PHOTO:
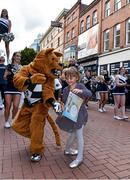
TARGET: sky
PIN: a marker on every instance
(31, 17)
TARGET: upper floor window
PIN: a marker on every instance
(88, 22)
(73, 16)
(67, 36)
(58, 41)
(73, 33)
(82, 26)
(94, 20)
(117, 36)
(51, 45)
(128, 1)
(117, 4)
(128, 31)
(106, 40)
(107, 8)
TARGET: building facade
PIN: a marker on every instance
(89, 37)
(54, 36)
(115, 36)
(71, 32)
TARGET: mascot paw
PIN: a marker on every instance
(57, 107)
(38, 78)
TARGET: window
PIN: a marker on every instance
(73, 16)
(82, 26)
(128, 1)
(94, 21)
(107, 8)
(88, 22)
(117, 4)
(58, 41)
(73, 33)
(117, 36)
(51, 45)
(128, 31)
(106, 40)
(67, 36)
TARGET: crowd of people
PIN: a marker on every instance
(72, 79)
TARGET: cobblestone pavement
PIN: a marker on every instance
(106, 152)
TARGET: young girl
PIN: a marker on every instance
(75, 128)
(12, 95)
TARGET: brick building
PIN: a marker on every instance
(115, 35)
(71, 32)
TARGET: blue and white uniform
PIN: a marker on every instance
(4, 25)
(117, 90)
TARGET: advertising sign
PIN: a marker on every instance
(88, 42)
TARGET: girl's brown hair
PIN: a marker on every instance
(6, 14)
(72, 71)
(13, 57)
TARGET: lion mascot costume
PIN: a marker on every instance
(37, 81)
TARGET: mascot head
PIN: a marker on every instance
(47, 62)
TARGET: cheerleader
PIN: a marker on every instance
(102, 88)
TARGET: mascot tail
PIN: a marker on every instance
(55, 130)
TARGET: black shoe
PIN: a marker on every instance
(36, 157)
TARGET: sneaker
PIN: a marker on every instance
(1, 106)
(75, 163)
(104, 110)
(100, 110)
(7, 125)
(117, 118)
(125, 117)
(71, 152)
(36, 157)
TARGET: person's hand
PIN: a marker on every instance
(77, 91)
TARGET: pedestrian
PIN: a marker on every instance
(5, 27)
(102, 88)
(119, 94)
(2, 81)
(74, 128)
(12, 95)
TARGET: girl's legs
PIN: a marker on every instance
(105, 99)
(122, 104)
(16, 102)
(7, 50)
(70, 142)
(8, 101)
(101, 101)
(117, 104)
(80, 139)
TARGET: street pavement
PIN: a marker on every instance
(106, 151)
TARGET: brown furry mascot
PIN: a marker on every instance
(37, 82)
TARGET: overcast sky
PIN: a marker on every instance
(31, 17)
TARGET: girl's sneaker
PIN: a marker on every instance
(125, 117)
(100, 110)
(71, 152)
(117, 118)
(75, 163)
(104, 110)
(7, 125)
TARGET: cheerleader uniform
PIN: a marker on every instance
(4, 25)
(10, 88)
(120, 90)
(102, 87)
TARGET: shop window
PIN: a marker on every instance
(128, 31)
(88, 22)
(106, 40)
(117, 36)
(107, 8)
(94, 18)
(117, 5)
(82, 26)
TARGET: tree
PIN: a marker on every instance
(28, 54)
